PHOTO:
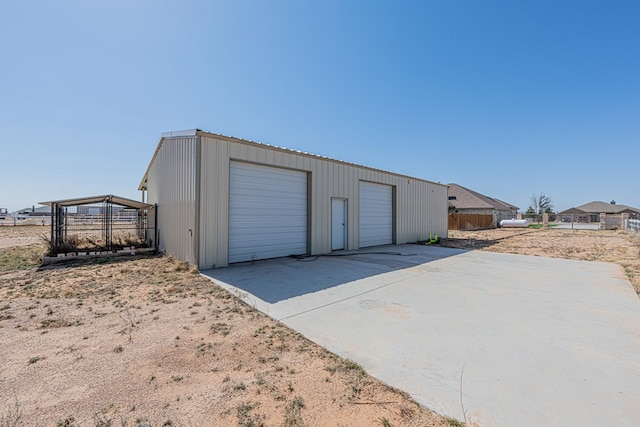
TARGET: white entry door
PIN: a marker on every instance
(338, 224)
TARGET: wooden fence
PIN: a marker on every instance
(463, 221)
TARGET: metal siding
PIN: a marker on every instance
(259, 156)
(171, 184)
(221, 239)
(206, 188)
(322, 209)
(208, 197)
(421, 206)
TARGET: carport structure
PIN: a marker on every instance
(99, 224)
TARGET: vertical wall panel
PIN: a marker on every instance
(171, 184)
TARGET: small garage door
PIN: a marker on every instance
(376, 214)
(267, 212)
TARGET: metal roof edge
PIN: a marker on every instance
(123, 201)
(171, 134)
(317, 156)
(76, 199)
(199, 132)
(185, 132)
(143, 181)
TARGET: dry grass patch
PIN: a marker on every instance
(147, 341)
(619, 247)
(21, 257)
(9, 231)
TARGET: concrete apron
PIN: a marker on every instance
(514, 340)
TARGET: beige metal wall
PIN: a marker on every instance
(172, 184)
(420, 206)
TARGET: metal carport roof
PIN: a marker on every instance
(122, 201)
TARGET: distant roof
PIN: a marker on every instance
(572, 211)
(469, 199)
(39, 209)
(99, 199)
(604, 207)
(507, 205)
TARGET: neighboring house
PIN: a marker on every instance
(222, 200)
(590, 212)
(464, 200)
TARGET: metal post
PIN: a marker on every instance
(155, 227)
(108, 219)
(62, 234)
(59, 230)
(140, 228)
(52, 241)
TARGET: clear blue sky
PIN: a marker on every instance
(505, 97)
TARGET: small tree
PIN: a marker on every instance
(541, 203)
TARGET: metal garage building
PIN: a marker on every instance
(223, 200)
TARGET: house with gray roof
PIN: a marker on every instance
(592, 210)
(465, 200)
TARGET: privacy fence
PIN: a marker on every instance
(467, 221)
(464, 221)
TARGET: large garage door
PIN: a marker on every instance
(376, 214)
(267, 212)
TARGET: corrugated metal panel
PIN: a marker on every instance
(171, 183)
(289, 151)
(214, 211)
(267, 212)
(420, 206)
(375, 214)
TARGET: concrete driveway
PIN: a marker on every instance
(534, 341)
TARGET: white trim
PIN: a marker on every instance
(174, 133)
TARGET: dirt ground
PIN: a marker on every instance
(146, 341)
(22, 236)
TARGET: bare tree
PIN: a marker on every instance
(541, 203)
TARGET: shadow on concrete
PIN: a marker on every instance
(279, 279)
